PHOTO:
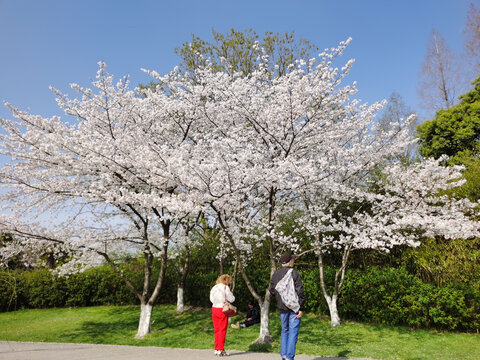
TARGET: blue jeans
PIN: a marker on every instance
(289, 337)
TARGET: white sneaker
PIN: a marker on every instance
(217, 352)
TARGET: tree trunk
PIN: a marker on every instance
(145, 320)
(50, 261)
(182, 277)
(337, 286)
(180, 299)
(265, 336)
(147, 306)
(234, 276)
(332, 307)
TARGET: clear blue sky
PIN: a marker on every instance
(57, 42)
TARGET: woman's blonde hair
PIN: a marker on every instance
(224, 279)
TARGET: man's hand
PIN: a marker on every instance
(249, 319)
(300, 314)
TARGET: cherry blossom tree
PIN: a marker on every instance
(405, 204)
(279, 144)
(264, 139)
(105, 171)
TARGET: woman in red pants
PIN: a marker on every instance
(218, 295)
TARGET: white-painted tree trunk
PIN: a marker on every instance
(332, 306)
(145, 320)
(180, 299)
(264, 337)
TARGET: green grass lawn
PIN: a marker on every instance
(193, 329)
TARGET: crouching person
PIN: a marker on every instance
(252, 318)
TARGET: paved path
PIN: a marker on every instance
(12, 350)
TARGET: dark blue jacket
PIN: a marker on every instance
(277, 276)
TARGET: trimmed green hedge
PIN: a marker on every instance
(388, 296)
(395, 297)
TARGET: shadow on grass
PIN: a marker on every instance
(123, 322)
(322, 334)
(344, 353)
(195, 320)
(317, 335)
(113, 323)
(119, 325)
(260, 347)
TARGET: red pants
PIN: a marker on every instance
(220, 324)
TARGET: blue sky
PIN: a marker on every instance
(58, 42)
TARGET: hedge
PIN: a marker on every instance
(395, 297)
(389, 296)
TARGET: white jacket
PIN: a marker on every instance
(219, 294)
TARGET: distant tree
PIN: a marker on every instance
(472, 38)
(397, 112)
(440, 75)
(241, 51)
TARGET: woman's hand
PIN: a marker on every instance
(299, 314)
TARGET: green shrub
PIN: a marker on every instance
(9, 288)
(314, 299)
(395, 297)
(40, 289)
(98, 286)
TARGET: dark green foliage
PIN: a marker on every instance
(99, 286)
(198, 286)
(40, 289)
(314, 301)
(471, 189)
(386, 288)
(445, 262)
(454, 131)
(9, 290)
(395, 297)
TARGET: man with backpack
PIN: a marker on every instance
(287, 287)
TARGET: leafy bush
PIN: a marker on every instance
(314, 299)
(395, 297)
(9, 288)
(40, 289)
(98, 286)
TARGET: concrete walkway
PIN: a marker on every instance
(12, 350)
